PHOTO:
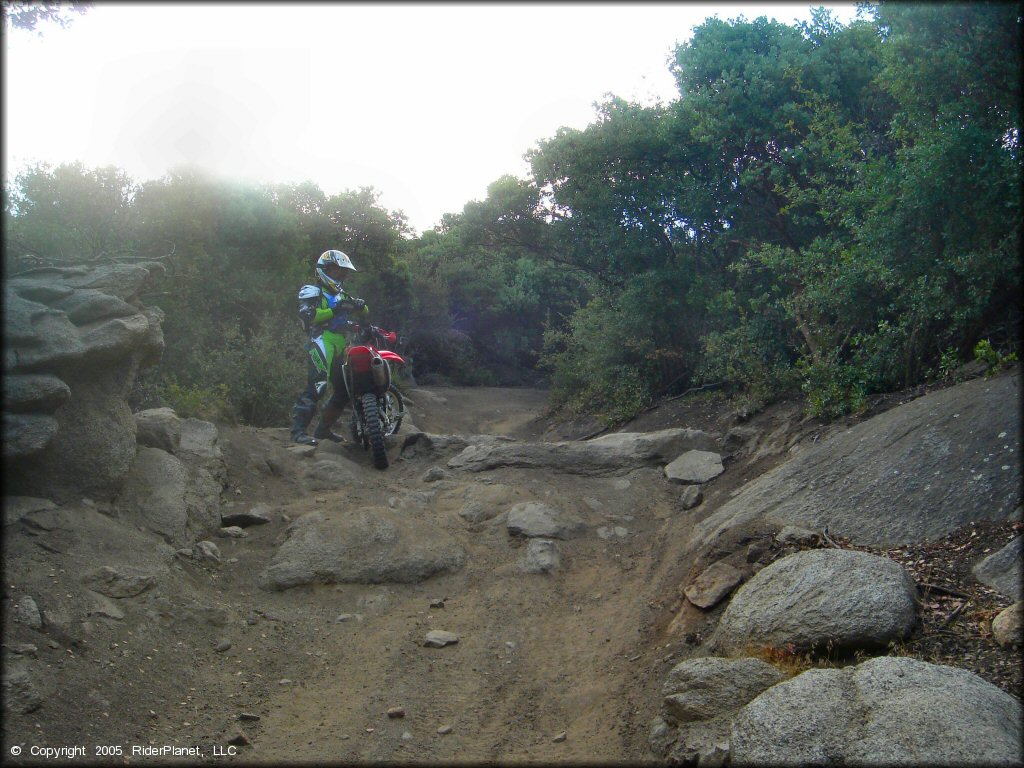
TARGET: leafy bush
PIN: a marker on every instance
(986, 353)
(266, 368)
(833, 388)
(750, 366)
(207, 403)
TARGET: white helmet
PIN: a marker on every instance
(331, 261)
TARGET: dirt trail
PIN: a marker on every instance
(561, 667)
(538, 655)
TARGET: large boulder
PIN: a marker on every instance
(75, 339)
(700, 698)
(93, 445)
(915, 472)
(174, 485)
(886, 711)
(532, 519)
(617, 453)
(158, 428)
(820, 599)
(363, 546)
(702, 688)
(694, 467)
(153, 496)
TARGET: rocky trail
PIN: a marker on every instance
(546, 667)
(487, 606)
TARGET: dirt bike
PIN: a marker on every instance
(377, 405)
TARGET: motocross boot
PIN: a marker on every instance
(302, 414)
(327, 419)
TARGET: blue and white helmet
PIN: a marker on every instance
(330, 269)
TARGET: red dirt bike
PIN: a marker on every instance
(377, 405)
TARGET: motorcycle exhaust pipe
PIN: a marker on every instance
(379, 371)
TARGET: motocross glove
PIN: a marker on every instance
(348, 305)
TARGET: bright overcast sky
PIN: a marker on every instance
(427, 103)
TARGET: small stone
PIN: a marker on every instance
(560, 737)
(251, 619)
(434, 474)
(541, 557)
(206, 550)
(717, 581)
(794, 534)
(258, 515)
(437, 603)
(27, 612)
(394, 712)
(691, 497)
(222, 646)
(344, 617)
(444, 729)
(438, 638)
(25, 649)
(284, 681)
(247, 716)
(232, 532)
(757, 550)
(694, 467)
(406, 736)
(1006, 627)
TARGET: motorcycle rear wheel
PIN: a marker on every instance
(374, 433)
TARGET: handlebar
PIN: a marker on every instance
(374, 333)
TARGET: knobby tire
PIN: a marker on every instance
(374, 433)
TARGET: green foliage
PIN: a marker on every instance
(749, 361)
(68, 214)
(949, 361)
(832, 387)
(207, 403)
(991, 357)
(830, 207)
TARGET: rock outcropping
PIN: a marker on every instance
(74, 340)
(913, 473)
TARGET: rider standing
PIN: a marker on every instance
(325, 309)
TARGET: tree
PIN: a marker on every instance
(68, 214)
(491, 264)
(29, 15)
